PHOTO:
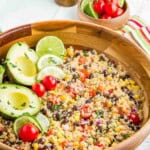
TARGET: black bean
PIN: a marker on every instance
(91, 76)
(41, 141)
(105, 73)
(75, 108)
(44, 111)
(47, 147)
(77, 54)
(73, 69)
(126, 76)
(85, 66)
(98, 93)
(49, 105)
(88, 101)
(114, 98)
(101, 58)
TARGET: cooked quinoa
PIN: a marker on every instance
(90, 108)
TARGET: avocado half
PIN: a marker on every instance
(16, 100)
(21, 64)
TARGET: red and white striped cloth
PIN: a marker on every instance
(138, 31)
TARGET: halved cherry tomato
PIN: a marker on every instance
(119, 12)
(92, 92)
(110, 8)
(39, 89)
(28, 133)
(134, 117)
(99, 6)
(49, 82)
(82, 60)
(86, 112)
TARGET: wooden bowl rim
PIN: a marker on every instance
(146, 127)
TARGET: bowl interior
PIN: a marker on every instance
(103, 40)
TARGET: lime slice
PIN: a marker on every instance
(48, 60)
(50, 45)
(43, 121)
(21, 121)
(90, 11)
(121, 3)
(53, 71)
(84, 3)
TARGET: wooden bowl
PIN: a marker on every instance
(114, 23)
(95, 37)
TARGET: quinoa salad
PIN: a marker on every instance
(90, 103)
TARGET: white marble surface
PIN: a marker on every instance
(17, 12)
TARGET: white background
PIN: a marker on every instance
(18, 12)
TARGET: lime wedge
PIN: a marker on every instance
(121, 3)
(48, 60)
(21, 121)
(84, 3)
(50, 45)
(90, 11)
(43, 121)
(53, 71)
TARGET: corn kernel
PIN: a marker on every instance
(136, 96)
(75, 144)
(109, 104)
(129, 87)
(59, 135)
(70, 51)
(64, 98)
(114, 143)
(109, 78)
(67, 77)
(35, 146)
(135, 87)
(132, 82)
(53, 139)
(117, 129)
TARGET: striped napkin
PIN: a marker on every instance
(137, 31)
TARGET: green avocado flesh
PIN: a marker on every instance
(21, 64)
(17, 100)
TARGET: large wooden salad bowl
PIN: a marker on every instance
(104, 40)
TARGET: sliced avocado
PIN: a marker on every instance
(16, 100)
(2, 71)
(21, 63)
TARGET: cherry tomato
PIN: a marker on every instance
(134, 117)
(99, 6)
(28, 133)
(106, 16)
(49, 82)
(86, 112)
(119, 12)
(110, 8)
(39, 89)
